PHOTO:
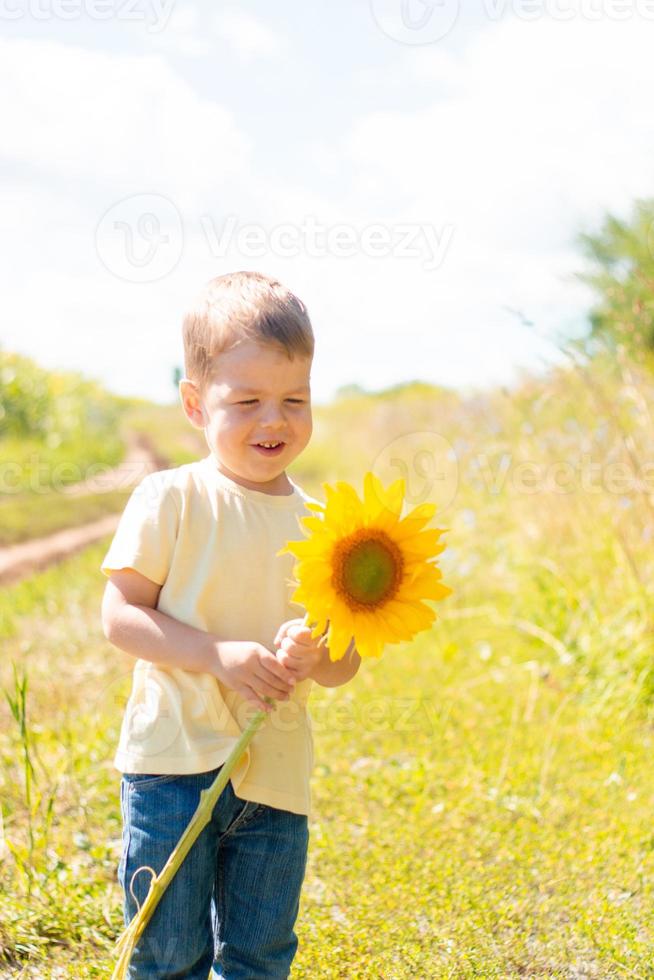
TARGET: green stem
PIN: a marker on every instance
(199, 820)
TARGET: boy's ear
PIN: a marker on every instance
(191, 402)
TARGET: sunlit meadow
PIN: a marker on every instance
(483, 795)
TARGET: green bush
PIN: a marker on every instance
(51, 406)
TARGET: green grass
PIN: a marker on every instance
(474, 813)
(482, 796)
(35, 516)
(477, 831)
(30, 465)
(59, 895)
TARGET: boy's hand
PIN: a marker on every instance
(299, 652)
(254, 671)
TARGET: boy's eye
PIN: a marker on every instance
(251, 401)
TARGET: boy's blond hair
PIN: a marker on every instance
(238, 306)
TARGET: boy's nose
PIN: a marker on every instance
(272, 418)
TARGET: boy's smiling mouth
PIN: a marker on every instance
(272, 447)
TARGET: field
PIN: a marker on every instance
(483, 795)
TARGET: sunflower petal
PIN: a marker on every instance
(421, 512)
(318, 629)
(338, 641)
(377, 499)
(395, 496)
(299, 548)
(343, 512)
(423, 544)
(370, 646)
(318, 525)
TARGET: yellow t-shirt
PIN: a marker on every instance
(211, 544)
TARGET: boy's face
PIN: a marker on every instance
(255, 394)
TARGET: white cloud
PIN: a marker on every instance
(183, 34)
(537, 115)
(529, 137)
(125, 121)
(81, 131)
(247, 35)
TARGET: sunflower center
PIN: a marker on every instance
(367, 568)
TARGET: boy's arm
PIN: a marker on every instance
(333, 673)
(131, 622)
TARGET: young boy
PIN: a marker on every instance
(198, 594)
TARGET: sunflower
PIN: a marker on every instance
(365, 570)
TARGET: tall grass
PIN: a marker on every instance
(39, 811)
(482, 796)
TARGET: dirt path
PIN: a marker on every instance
(140, 459)
(20, 560)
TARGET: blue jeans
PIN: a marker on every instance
(233, 903)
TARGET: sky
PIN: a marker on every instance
(418, 173)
